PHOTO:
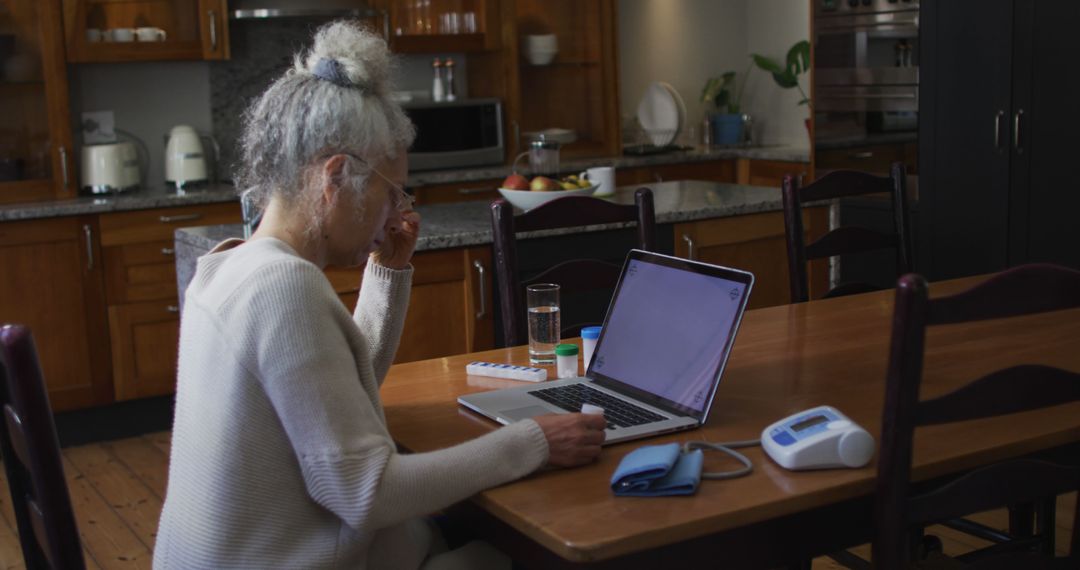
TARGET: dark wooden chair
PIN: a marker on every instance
(844, 239)
(31, 455)
(901, 508)
(575, 276)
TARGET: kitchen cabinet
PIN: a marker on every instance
(438, 26)
(768, 172)
(53, 285)
(110, 31)
(578, 90)
(35, 139)
(997, 128)
(755, 243)
(140, 291)
(450, 305)
(872, 158)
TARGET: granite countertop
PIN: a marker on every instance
(469, 223)
(163, 197)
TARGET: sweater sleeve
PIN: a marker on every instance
(316, 373)
(380, 312)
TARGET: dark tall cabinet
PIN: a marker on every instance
(998, 126)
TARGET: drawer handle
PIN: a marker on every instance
(689, 246)
(168, 251)
(480, 269)
(172, 309)
(862, 155)
(469, 191)
(179, 218)
(89, 233)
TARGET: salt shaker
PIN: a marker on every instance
(566, 360)
(437, 93)
(451, 91)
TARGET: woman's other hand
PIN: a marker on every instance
(573, 439)
(397, 247)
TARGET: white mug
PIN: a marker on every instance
(150, 34)
(120, 34)
(93, 35)
(603, 177)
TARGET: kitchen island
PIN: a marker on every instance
(452, 307)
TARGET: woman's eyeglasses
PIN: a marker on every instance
(402, 200)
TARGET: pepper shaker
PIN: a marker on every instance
(437, 93)
(451, 91)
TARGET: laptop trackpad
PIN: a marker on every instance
(525, 413)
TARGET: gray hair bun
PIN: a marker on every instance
(347, 54)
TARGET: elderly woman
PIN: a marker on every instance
(281, 455)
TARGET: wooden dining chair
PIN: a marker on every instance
(902, 508)
(844, 239)
(31, 455)
(575, 276)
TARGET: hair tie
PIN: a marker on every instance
(331, 70)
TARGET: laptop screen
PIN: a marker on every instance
(669, 330)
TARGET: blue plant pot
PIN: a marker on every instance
(727, 128)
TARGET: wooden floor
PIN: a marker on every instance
(118, 487)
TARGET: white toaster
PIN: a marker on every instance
(108, 168)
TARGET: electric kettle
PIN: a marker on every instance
(185, 160)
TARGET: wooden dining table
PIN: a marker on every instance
(785, 359)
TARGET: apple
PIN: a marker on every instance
(543, 184)
(516, 182)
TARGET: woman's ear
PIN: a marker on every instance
(333, 173)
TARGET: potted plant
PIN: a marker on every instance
(787, 75)
(727, 122)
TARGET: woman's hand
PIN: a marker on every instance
(573, 439)
(397, 247)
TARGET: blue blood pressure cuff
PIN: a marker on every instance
(658, 471)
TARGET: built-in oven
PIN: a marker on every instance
(866, 67)
(456, 134)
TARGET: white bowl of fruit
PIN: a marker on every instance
(527, 194)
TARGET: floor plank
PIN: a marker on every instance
(133, 501)
(144, 459)
(109, 541)
(161, 440)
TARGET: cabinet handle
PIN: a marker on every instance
(1016, 130)
(179, 218)
(213, 29)
(470, 191)
(89, 233)
(864, 155)
(172, 309)
(480, 270)
(168, 251)
(63, 165)
(689, 246)
(997, 129)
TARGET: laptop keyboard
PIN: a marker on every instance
(618, 412)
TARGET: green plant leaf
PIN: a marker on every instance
(798, 58)
(767, 64)
(712, 88)
(785, 79)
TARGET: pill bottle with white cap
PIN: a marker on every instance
(588, 343)
(566, 360)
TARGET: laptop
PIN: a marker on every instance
(666, 338)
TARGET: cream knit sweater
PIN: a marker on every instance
(281, 456)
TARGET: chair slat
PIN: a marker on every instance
(1022, 290)
(16, 435)
(992, 486)
(1008, 391)
(41, 535)
(849, 239)
(574, 211)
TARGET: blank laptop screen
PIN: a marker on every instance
(667, 333)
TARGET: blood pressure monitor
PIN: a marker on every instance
(818, 438)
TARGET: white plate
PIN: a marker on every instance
(658, 113)
(681, 104)
(528, 199)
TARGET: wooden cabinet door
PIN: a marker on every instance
(214, 29)
(768, 172)
(145, 340)
(439, 26)
(35, 141)
(755, 243)
(149, 30)
(53, 284)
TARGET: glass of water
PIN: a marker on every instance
(542, 300)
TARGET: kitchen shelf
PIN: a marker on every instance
(436, 43)
(557, 63)
(110, 52)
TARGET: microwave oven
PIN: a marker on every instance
(456, 134)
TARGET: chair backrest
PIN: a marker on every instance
(31, 455)
(844, 239)
(1019, 291)
(573, 275)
